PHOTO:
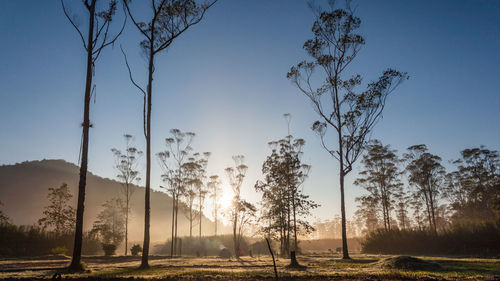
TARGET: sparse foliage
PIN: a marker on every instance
(99, 36)
(167, 21)
(59, 215)
(126, 164)
(350, 113)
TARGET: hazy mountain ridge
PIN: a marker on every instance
(24, 187)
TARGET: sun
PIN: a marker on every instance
(226, 198)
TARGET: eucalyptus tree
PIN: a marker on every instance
(284, 203)
(202, 190)
(426, 174)
(474, 187)
(241, 211)
(166, 22)
(59, 215)
(381, 178)
(215, 192)
(350, 113)
(126, 163)
(192, 184)
(172, 160)
(99, 36)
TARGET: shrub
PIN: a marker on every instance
(471, 239)
(59, 251)
(109, 249)
(29, 241)
(136, 249)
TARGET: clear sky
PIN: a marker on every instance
(225, 80)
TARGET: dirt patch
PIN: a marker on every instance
(408, 263)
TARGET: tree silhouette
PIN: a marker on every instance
(3, 218)
(172, 160)
(98, 37)
(426, 173)
(215, 193)
(110, 223)
(474, 187)
(168, 20)
(381, 178)
(241, 211)
(351, 114)
(58, 215)
(126, 164)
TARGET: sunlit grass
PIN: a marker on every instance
(317, 266)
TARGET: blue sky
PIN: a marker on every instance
(225, 80)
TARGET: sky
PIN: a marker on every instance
(225, 80)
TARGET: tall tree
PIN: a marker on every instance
(284, 202)
(351, 114)
(381, 178)
(172, 161)
(58, 215)
(215, 193)
(126, 164)
(98, 37)
(426, 173)
(202, 188)
(110, 223)
(474, 187)
(168, 20)
(240, 211)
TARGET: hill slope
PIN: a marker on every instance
(24, 187)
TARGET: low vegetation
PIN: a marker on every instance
(318, 267)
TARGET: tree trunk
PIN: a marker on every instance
(126, 220)
(147, 208)
(345, 251)
(77, 248)
(173, 220)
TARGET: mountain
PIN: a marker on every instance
(24, 188)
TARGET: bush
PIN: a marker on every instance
(471, 239)
(59, 251)
(29, 241)
(109, 249)
(136, 249)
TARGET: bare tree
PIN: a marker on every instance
(215, 193)
(126, 164)
(351, 114)
(168, 20)
(98, 37)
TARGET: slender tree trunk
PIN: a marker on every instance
(235, 240)
(77, 248)
(433, 214)
(126, 220)
(345, 251)
(173, 223)
(215, 218)
(190, 221)
(294, 225)
(147, 207)
(200, 218)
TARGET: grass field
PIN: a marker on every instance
(318, 267)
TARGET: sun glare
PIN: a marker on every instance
(226, 198)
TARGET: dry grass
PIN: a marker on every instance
(318, 267)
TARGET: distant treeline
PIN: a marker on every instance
(481, 239)
(16, 241)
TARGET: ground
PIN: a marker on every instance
(318, 267)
